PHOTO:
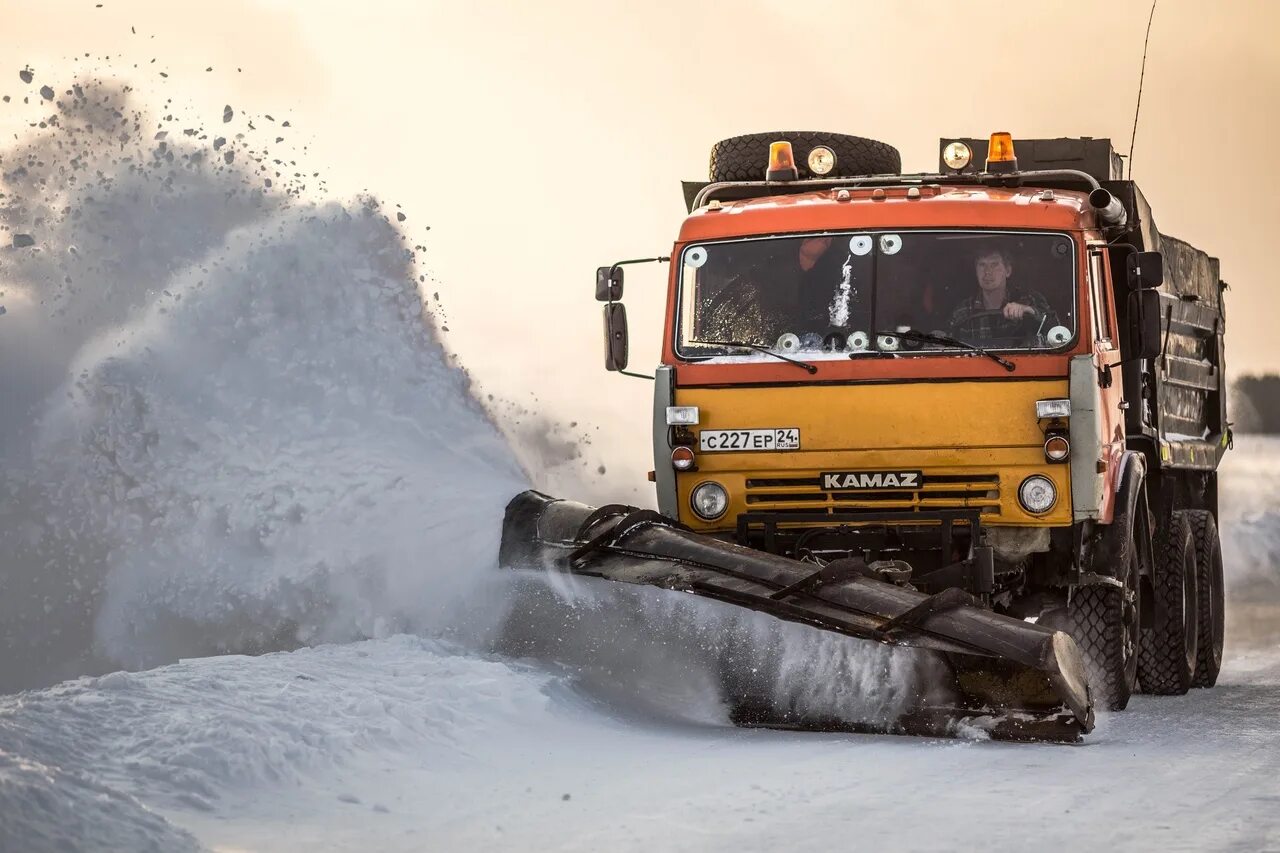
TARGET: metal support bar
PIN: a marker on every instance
(948, 599)
(981, 179)
(834, 572)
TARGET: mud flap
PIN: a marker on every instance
(1012, 678)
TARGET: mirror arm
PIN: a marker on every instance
(1104, 372)
(661, 259)
(636, 375)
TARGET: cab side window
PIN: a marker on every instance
(1100, 294)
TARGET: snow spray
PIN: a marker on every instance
(230, 428)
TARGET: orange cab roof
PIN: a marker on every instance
(890, 207)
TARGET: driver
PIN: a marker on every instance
(999, 309)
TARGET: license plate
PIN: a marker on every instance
(787, 438)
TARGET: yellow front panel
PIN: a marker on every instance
(974, 441)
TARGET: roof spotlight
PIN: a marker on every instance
(822, 160)
(956, 155)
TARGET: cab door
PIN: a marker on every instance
(1106, 353)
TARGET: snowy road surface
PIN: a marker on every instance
(400, 744)
(408, 743)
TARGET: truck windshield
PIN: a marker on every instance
(837, 294)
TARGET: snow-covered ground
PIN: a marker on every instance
(410, 743)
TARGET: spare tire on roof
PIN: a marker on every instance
(745, 158)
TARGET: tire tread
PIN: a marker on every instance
(1162, 665)
(1209, 567)
(1097, 624)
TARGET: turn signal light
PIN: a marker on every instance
(1057, 448)
(782, 163)
(682, 459)
(1000, 156)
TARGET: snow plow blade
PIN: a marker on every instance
(1013, 679)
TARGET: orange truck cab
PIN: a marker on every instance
(999, 377)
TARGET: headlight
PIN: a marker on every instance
(1060, 408)
(1057, 448)
(1037, 494)
(956, 155)
(709, 501)
(822, 160)
(682, 415)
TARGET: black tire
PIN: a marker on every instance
(1105, 622)
(1212, 595)
(745, 158)
(1167, 653)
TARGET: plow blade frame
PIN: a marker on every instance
(1028, 680)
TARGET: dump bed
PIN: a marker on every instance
(1182, 403)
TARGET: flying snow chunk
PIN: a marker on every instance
(26, 75)
(46, 92)
(22, 241)
(227, 113)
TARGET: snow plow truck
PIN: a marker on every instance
(978, 412)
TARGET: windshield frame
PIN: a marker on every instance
(873, 350)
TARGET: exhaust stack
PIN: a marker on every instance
(1108, 208)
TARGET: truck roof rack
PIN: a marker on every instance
(1095, 157)
(698, 194)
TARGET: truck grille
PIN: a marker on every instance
(804, 494)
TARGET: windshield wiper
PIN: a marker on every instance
(945, 340)
(758, 348)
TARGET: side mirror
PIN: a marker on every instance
(1150, 339)
(615, 336)
(1146, 270)
(608, 284)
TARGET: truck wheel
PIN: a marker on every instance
(1212, 598)
(1104, 621)
(1167, 653)
(745, 158)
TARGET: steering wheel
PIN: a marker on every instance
(970, 328)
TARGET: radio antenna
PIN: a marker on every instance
(1141, 76)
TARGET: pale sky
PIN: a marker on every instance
(540, 140)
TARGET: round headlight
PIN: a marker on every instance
(709, 501)
(822, 160)
(1037, 494)
(956, 155)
